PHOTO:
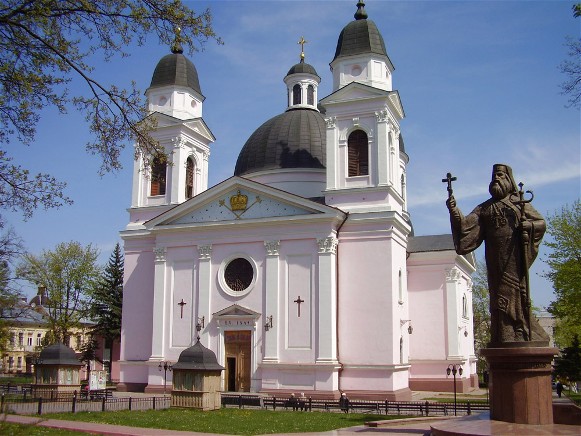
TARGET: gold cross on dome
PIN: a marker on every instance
(302, 42)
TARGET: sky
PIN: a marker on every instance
(479, 82)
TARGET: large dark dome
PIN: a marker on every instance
(175, 69)
(293, 139)
(359, 37)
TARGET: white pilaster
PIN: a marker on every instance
(177, 169)
(452, 312)
(159, 303)
(382, 148)
(332, 153)
(204, 288)
(327, 307)
(272, 300)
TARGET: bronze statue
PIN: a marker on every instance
(512, 231)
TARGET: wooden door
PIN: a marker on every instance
(238, 362)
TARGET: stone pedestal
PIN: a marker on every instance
(520, 384)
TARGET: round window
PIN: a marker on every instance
(237, 275)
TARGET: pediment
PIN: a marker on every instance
(238, 199)
(197, 125)
(236, 311)
(356, 91)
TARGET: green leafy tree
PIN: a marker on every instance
(568, 364)
(572, 66)
(68, 274)
(10, 295)
(481, 312)
(45, 45)
(108, 299)
(564, 261)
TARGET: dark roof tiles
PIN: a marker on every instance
(293, 139)
(175, 69)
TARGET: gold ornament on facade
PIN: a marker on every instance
(238, 201)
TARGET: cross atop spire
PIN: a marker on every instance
(302, 42)
(176, 47)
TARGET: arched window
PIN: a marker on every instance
(358, 158)
(190, 177)
(311, 95)
(401, 349)
(400, 285)
(297, 94)
(158, 176)
(464, 306)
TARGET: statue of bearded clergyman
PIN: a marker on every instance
(512, 231)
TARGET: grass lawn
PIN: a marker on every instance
(7, 428)
(477, 399)
(228, 421)
(576, 397)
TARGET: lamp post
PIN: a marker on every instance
(453, 368)
(166, 366)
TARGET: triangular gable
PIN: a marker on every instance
(197, 125)
(355, 91)
(225, 202)
(236, 311)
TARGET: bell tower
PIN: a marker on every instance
(366, 160)
(175, 102)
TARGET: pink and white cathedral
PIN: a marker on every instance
(301, 272)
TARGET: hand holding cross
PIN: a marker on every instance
(449, 179)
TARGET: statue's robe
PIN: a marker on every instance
(497, 223)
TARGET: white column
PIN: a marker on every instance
(178, 172)
(159, 302)
(452, 312)
(204, 289)
(382, 139)
(327, 307)
(270, 337)
(138, 179)
(332, 153)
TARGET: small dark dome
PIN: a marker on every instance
(175, 69)
(302, 67)
(59, 354)
(293, 139)
(359, 37)
(198, 357)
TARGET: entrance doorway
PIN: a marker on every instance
(237, 348)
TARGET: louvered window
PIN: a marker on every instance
(297, 94)
(358, 158)
(158, 176)
(189, 178)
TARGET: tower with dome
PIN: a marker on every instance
(300, 272)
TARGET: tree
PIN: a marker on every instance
(568, 364)
(10, 295)
(564, 261)
(572, 67)
(45, 44)
(68, 274)
(108, 299)
(481, 312)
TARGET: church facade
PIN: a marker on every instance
(301, 271)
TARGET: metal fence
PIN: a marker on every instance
(73, 404)
(20, 400)
(422, 408)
